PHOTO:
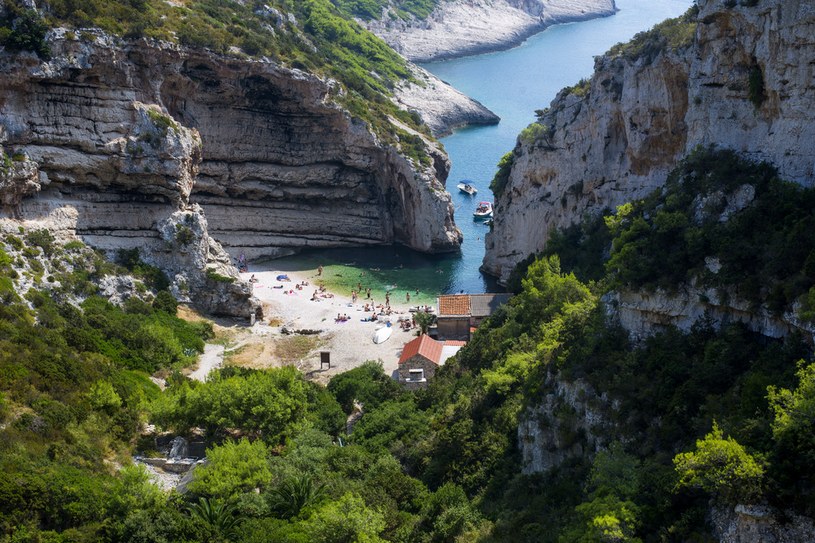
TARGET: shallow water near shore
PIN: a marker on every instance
(397, 270)
(513, 84)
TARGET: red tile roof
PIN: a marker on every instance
(454, 343)
(454, 304)
(423, 345)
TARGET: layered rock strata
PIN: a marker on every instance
(134, 142)
(741, 84)
(467, 27)
(643, 313)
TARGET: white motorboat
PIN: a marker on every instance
(467, 188)
(483, 211)
(382, 334)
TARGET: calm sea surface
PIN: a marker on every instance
(513, 84)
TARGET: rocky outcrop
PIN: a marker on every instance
(740, 84)
(134, 142)
(439, 105)
(760, 524)
(642, 313)
(467, 27)
(566, 423)
(19, 178)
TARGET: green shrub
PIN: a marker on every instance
(218, 278)
(184, 234)
(43, 239)
(366, 384)
(721, 467)
(165, 302)
(14, 242)
(671, 34)
(24, 30)
(501, 178)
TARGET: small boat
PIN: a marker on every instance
(467, 187)
(483, 211)
(382, 334)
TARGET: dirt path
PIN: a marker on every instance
(211, 358)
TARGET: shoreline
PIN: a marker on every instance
(511, 41)
(456, 31)
(349, 342)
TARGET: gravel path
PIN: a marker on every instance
(211, 358)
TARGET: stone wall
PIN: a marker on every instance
(416, 362)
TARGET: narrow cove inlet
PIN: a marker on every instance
(513, 84)
(277, 272)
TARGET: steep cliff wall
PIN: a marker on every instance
(468, 27)
(741, 83)
(127, 135)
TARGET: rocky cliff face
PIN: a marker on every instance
(468, 27)
(440, 106)
(741, 84)
(132, 143)
(567, 423)
(760, 524)
(642, 313)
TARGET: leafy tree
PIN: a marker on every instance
(366, 384)
(424, 320)
(721, 467)
(267, 403)
(615, 472)
(344, 520)
(794, 434)
(103, 396)
(603, 520)
(232, 467)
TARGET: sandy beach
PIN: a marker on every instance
(350, 343)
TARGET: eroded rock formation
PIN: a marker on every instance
(134, 142)
(741, 84)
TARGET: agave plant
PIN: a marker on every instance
(294, 493)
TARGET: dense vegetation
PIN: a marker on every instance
(680, 420)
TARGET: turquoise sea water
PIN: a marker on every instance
(513, 84)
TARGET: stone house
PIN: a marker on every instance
(422, 357)
(459, 314)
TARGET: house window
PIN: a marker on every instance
(416, 375)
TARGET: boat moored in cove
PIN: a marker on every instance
(467, 188)
(483, 211)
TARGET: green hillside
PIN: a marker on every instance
(682, 420)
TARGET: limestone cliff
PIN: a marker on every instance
(468, 27)
(760, 524)
(134, 142)
(440, 106)
(739, 83)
